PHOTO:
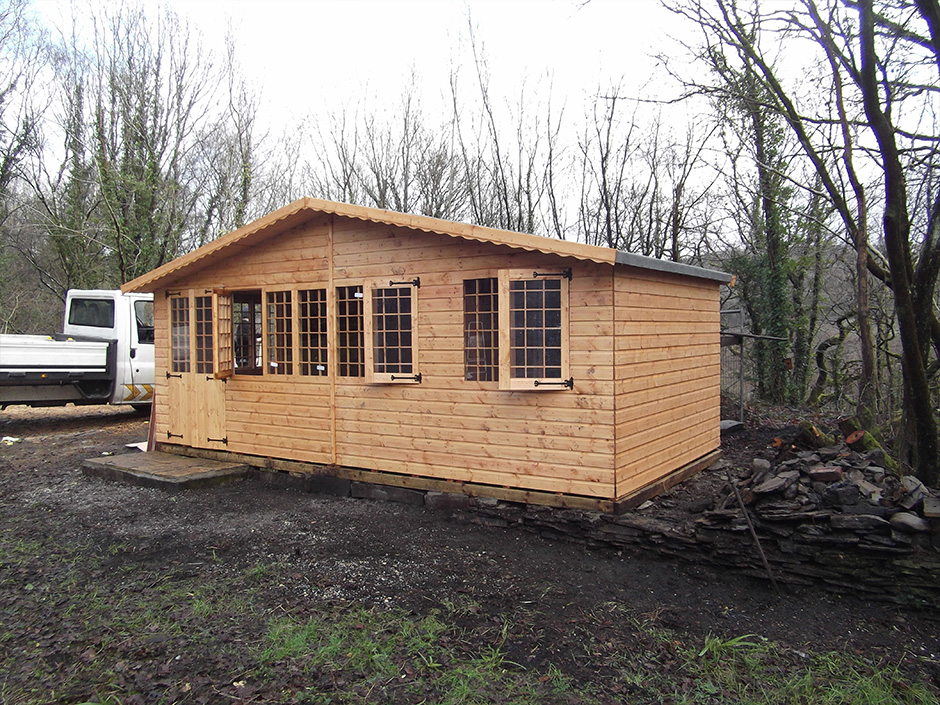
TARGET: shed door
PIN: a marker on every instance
(206, 389)
(179, 371)
(195, 394)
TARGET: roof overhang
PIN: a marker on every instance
(300, 211)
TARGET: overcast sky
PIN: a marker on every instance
(312, 55)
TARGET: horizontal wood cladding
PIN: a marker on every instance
(638, 473)
(444, 466)
(667, 369)
(643, 350)
(591, 413)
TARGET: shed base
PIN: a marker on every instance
(300, 470)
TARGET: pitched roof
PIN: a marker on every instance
(297, 212)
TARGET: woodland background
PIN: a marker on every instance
(805, 162)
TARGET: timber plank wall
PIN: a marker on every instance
(644, 357)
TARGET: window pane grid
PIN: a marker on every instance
(481, 329)
(350, 341)
(312, 322)
(179, 320)
(280, 333)
(391, 331)
(535, 329)
(203, 331)
(224, 342)
(246, 314)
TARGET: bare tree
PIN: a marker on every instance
(880, 53)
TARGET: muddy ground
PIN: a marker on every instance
(375, 553)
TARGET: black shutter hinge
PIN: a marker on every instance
(564, 274)
(566, 383)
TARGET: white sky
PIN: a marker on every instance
(307, 56)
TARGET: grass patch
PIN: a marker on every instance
(747, 669)
(352, 653)
(86, 624)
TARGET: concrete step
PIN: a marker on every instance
(164, 470)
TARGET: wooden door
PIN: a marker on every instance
(177, 386)
(195, 386)
(207, 416)
(206, 386)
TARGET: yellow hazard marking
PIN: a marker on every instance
(134, 391)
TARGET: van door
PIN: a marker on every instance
(141, 351)
(135, 363)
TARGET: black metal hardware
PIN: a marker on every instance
(172, 293)
(209, 378)
(208, 291)
(416, 378)
(566, 383)
(564, 274)
(173, 435)
(416, 282)
(223, 441)
(168, 375)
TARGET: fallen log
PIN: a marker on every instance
(863, 442)
(808, 436)
(849, 425)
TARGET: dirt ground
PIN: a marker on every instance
(376, 553)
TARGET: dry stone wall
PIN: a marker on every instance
(829, 517)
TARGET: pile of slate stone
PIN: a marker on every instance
(834, 495)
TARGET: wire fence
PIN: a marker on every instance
(734, 387)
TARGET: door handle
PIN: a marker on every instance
(133, 353)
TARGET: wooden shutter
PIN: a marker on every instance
(533, 330)
(390, 310)
(224, 350)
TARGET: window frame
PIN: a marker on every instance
(224, 309)
(203, 333)
(473, 369)
(348, 368)
(251, 297)
(542, 384)
(368, 289)
(181, 356)
(279, 299)
(306, 365)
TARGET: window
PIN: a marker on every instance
(280, 333)
(246, 333)
(203, 329)
(391, 331)
(350, 353)
(224, 343)
(97, 313)
(481, 329)
(312, 325)
(534, 330)
(143, 313)
(179, 333)
(391, 354)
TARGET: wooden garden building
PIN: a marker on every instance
(416, 352)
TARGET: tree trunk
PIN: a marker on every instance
(918, 410)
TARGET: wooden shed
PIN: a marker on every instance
(416, 352)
